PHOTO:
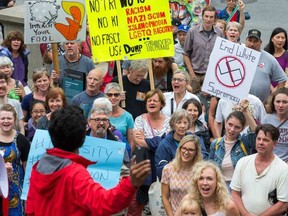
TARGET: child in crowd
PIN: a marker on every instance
(188, 207)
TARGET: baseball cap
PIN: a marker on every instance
(183, 28)
(254, 33)
(176, 22)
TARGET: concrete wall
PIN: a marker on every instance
(13, 19)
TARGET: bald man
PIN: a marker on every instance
(86, 98)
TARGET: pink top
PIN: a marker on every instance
(179, 182)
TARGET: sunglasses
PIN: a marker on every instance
(113, 94)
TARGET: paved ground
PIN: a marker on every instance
(265, 16)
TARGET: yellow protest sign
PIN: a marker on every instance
(129, 29)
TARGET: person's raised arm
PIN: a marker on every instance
(242, 14)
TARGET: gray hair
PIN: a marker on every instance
(139, 64)
(185, 73)
(99, 110)
(111, 86)
(4, 60)
(236, 24)
(178, 115)
(103, 103)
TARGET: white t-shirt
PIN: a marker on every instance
(254, 188)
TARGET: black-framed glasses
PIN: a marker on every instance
(113, 94)
(98, 120)
(189, 150)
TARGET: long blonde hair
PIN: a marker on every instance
(222, 196)
(176, 163)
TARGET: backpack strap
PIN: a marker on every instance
(243, 148)
(217, 142)
(241, 145)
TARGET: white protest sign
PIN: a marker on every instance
(4, 186)
(108, 154)
(230, 71)
(54, 21)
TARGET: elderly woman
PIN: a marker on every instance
(13, 47)
(279, 118)
(14, 148)
(180, 122)
(15, 87)
(41, 86)
(148, 130)
(55, 100)
(176, 176)
(174, 100)
(120, 118)
(233, 31)
(209, 190)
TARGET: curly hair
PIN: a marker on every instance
(222, 196)
(12, 36)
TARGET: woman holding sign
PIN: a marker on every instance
(14, 148)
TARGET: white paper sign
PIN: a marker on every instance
(230, 71)
(54, 21)
(3, 179)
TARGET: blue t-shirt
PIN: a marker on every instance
(123, 122)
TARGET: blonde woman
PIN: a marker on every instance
(176, 176)
(41, 86)
(210, 191)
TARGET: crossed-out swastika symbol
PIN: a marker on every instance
(230, 71)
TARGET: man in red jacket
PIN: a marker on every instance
(60, 183)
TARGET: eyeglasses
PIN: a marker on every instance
(38, 111)
(178, 79)
(113, 94)
(189, 150)
(98, 120)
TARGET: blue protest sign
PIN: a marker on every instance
(108, 154)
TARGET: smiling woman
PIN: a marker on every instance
(40, 88)
(177, 175)
(55, 100)
(14, 148)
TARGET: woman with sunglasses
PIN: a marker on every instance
(176, 176)
(40, 88)
(120, 118)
